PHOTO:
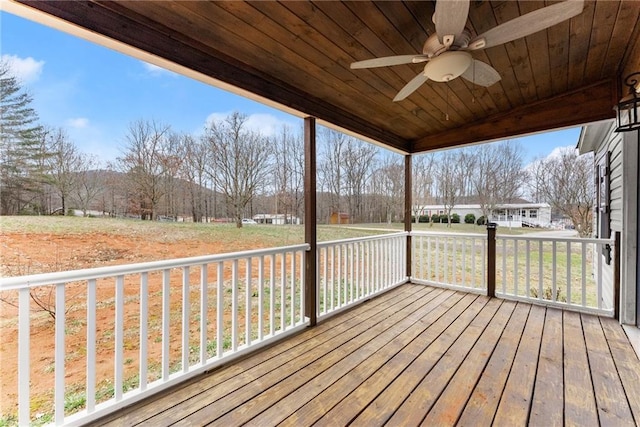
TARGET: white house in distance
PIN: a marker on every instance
(276, 219)
(505, 215)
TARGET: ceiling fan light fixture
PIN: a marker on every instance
(447, 66)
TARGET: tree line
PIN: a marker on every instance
(232, 171)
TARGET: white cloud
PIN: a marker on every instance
(27, 70)
(78, 122)
(155, 71)
(266, 124)
(558, 151)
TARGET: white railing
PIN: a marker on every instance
(449, 260)
(565, 272)
(140, 328)
(352, 270)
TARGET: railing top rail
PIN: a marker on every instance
(361, 239)
(555, 239)
(20, 282)
(445, 234)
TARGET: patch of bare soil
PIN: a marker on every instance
(31, 253)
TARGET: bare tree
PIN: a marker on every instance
(193, 169)
(88, 182)
(388, 184)
(289, 172)
(239, 161)
(357, 160)
(330, 170)
(568, 186)
(64, 164)
(498, 176)
(144, 163)
(423, 179)
(449, 182)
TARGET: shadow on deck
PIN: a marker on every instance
(416, 355)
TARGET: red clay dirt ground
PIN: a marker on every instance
(31, 245)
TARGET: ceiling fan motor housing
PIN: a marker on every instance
(447, 66)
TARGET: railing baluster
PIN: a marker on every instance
(527, 289)
(247, 302)
(283, 291)
(220, 310)
(302, 282)
(332, 281)
(325, 298)
(351, 271)
(24, 356)
(540, 269)
(599, 248)
(272, 297)
(204, 303)
(569, 272)
(90, 392)
(144, 332)
(60, 352)
(166, 289)
(553, 273)
(118, 360)
(358, 270)
(453, 261)
(421, 256)
(584, 274)
(504, 265)
(429, 254)
(515, 267)
(186, 314)
(464, 262)
(473, 262)
(293, 289)
(234, 305)
(260, 297)
(483, 265)
(437, 258)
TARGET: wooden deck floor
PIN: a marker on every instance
(419, 355)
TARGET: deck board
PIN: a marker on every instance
(420, 355)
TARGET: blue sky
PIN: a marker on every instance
(94, 92)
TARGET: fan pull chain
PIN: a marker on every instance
(473, 84)
(446, 114)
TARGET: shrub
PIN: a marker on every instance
(423, 218)
(435, 218)
(444, 219)
(455, 218)
(469, 218)
(481, 221)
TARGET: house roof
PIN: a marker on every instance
(297, 56)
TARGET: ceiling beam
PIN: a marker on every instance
(141, 33)
(585, 105)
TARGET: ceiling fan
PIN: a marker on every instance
(447, 52)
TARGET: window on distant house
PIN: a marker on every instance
(523, 213)
(533, 213)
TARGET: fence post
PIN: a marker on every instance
(616, 275)
(491, 259)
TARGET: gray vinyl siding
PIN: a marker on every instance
(615, 180)
(613, 145)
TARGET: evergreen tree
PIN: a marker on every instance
(20, 156)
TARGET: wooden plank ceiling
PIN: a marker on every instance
(298, 55)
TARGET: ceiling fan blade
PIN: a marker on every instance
(384, 61)
(450, 18)
(411, 87)
(527, 24)
(481, 73)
